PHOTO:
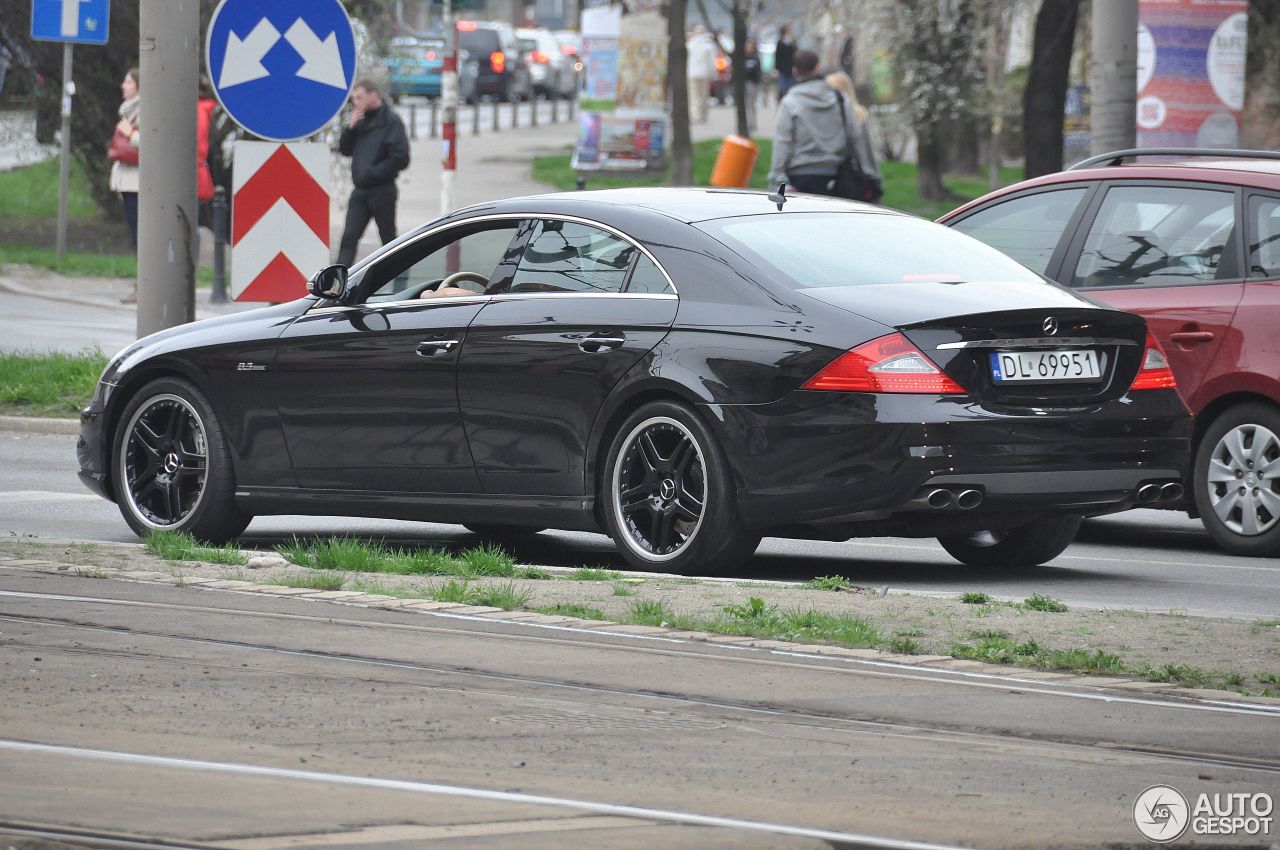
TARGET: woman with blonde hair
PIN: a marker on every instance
(841, 82)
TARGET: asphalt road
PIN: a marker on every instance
(29, 324)
(1142, 560)
(261, 723)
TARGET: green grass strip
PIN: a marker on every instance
(48, 384)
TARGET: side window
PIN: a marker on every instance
(1026, 228)
(422, 266)
(646, 277)
(1155, 236)
(563, 256)
(1264, 241)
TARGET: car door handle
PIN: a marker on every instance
(1187, 337)
(436, 347)
(601, 342)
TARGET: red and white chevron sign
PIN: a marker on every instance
(279, 219)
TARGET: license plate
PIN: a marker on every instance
(1047, 366)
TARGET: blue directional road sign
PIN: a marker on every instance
(78, 21)
(282, 69)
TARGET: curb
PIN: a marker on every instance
(7, 285)
(531, 619)
(40, 425)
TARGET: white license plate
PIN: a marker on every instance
(1056, 366)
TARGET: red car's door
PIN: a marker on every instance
(1173, 253)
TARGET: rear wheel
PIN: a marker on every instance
(1237, 480)
(669, 499)
(1027, 545)
(172, 466)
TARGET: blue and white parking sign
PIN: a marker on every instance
(282, 69)
(77, 21)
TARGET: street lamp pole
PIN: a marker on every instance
(449, 97)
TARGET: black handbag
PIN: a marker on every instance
(851, 181)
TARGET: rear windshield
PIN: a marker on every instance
(478, 41)
(852, 249)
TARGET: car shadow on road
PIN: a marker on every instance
(1132, 536)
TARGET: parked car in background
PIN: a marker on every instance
(491, 50)
(551, 72)
(686, 370)
(414, 66)
(1191, 243)
(571, 48)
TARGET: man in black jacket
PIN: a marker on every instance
(375, 140)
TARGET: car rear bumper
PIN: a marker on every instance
(861, 461)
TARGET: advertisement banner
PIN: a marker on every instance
(1191, 72)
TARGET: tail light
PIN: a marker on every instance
(722, 64)
(540, 58)
(498, 61)
(568, 50)
(889, 364)
(431, 56)
(1155, 373)
(466, 26)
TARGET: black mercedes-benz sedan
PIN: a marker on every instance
(688, 370)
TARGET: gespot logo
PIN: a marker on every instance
(1162, 814)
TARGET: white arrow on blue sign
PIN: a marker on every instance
(283, 69)
(77, 21)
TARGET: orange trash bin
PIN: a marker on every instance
(735, 162)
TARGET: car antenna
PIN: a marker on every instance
(780, 197)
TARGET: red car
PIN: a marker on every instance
(1192, 244)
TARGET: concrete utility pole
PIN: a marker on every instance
(1113, 76)
(169, 46)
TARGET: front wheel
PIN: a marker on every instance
(1027, 545)
(669, 499)
(1237, 480)
(172, 466)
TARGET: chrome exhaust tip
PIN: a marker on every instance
(938, 498)
(1171, 491)
(969, 499)
(1148, 493)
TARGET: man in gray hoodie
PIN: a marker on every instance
(814, 134)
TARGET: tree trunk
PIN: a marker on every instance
(1113, 77)
(678, 85)
(964, 155)
(996, 56)
(1045, 97)
(929, 152)
(740, 66)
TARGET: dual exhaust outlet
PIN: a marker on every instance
(941, 498)
(1149, 494)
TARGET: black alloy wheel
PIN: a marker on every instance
(1236, 480)
(1027, 545)
(669, 496)
(172, 465)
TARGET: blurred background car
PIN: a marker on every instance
(571, 48)
(414, 65)
(492, 52)
(1192, 244)
(551, 72)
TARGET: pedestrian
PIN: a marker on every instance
(817, 134)
(784, 57)
(702, 70)
(375, 140)
(205, 106)
(751, 81)
(124, 155)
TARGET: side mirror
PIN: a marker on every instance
(329, 283)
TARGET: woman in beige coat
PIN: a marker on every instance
(124, 176)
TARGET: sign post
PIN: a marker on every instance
(68, 21)
(282, 71)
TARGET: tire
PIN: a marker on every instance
(1240, 451)
(669, 498)
(500, 532)
(171, 466)
(1027, 545)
